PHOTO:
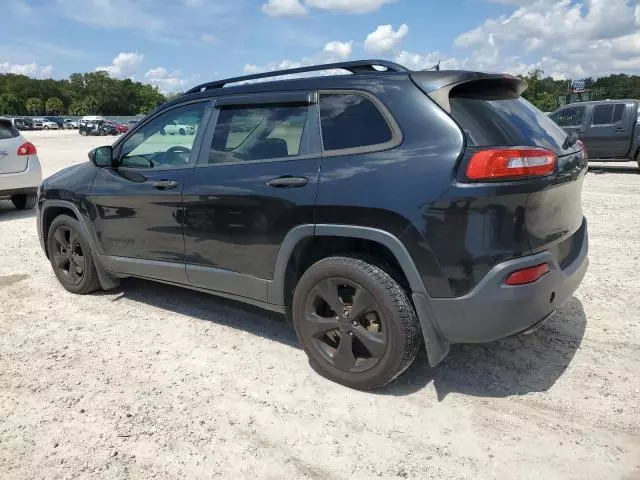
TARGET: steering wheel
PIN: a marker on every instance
(175, 155)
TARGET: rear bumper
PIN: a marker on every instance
(493, 310)
(26, 181)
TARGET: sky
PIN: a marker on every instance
(176, 44)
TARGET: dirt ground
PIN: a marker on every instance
(154, 381)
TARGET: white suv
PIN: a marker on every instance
(20, 171)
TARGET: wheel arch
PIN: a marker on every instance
(437, 347)
(49, 210)
(295, 239)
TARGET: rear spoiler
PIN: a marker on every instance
(487, 86)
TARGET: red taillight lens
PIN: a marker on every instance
(27, 149)
(510, 163)
(581, 144)
(527, 275)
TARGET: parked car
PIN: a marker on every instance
(37, 123)
(69, 124)
(380, 211)
(20, 172)
(610, 129)
(28, 124)
(18, 123)
(122, 127)
(49, 125)
(176, 127)
(97, 127)
(58, 120)
(132, 123)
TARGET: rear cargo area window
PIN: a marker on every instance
(351, 121)
(509, 122)
(7, 130)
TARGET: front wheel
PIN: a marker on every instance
(355, 322)
(182, 131)
(70, 256)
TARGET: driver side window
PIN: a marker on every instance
(166, 141)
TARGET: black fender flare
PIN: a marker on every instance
(107, 282)
(437, 347)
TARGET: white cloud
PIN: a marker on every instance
(28, 69)
(338, 49)
(348, 6)
(284, 8)
(564, 38)
(384, 39)
(124, 65)
(332, 52)
(166, 81)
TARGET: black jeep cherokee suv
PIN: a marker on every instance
(375, 209)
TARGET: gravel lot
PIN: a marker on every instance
(154, 381)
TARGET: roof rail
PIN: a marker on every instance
(355, 67)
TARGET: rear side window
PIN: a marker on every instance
(7, 130)
(618, 112)
(352, 121)
(569, 117)
(602, 114)
(245, 134)
(509, 122)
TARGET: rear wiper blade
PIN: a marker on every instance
(570, 141)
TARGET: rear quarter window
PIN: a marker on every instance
(509, 122)
(7, 130)
(352, 121)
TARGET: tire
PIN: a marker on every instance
(380, 340)
(182, 131)
(45, 128)
(25, 201)
(83, 133)
(163, 132)
(68, 248)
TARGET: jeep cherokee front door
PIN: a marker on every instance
(138, 204)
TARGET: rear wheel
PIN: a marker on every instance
(70, 256)
(182, 131)
(25, 201)
(163, 132)
(355, 322)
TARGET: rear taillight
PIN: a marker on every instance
(527, 275)
(27, 148)
(581, 144)
(510, 163)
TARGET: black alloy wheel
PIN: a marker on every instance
(345, 325)
(68, 256)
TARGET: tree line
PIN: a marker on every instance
(545, 92)
(81, 94)
(98, 93)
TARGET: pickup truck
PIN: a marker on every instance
(610, 129)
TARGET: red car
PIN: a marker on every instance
(122, 127)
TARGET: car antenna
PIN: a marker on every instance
(435, 67)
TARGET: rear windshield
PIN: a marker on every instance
(7, 130)
(506, 122)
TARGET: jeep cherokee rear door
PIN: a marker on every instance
(255, 181)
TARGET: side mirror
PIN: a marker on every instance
(102, 156)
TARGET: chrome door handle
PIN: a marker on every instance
(165, 184)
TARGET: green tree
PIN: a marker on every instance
(53, 106)
(9, 104)
(76, 108)
(90, 105)
(34, 105)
